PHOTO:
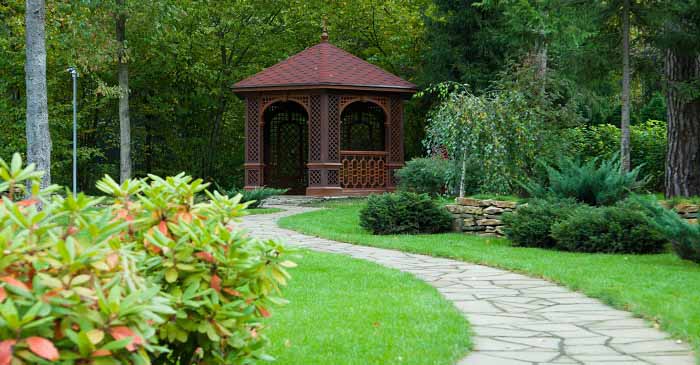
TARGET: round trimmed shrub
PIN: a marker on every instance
(531, 225)
(615, 229)
(424, 175)
(404, 213)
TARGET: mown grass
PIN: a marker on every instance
(661, 288)
(348, 311)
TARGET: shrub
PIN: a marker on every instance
(614, 229)
(81, 282)
(684, 237)
(68, 287)
(221, 281)
(404, 212)
(424, 175)
(256, 197)
(594, 182)
(531, 225)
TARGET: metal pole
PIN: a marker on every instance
(74, 73)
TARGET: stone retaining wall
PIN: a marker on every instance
(483, 217)
(689, 212)
(478, 216)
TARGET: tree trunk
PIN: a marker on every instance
(540, 60)
(37, 127)
(124, 121)
(625, 121)
(683, 155)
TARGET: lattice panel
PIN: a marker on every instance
(381, 100)
(333, 177)
(362, 127)
(395, 149)
(253, 127)
(333, 128)
(314, 177)
(363, 171)
(315, 129)
(252, 178)
(267, 100)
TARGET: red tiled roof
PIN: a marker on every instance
(324, 65)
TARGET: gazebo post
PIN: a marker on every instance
(324, 172)
(254, 165)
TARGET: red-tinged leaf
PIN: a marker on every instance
(122, 332)
(3, 294)
(124, 214)
(112, 260)
(233, 292)
(42, 348)
(163, 227)
(253, 333)
(71, 231)
(185, 217)
(101, 352)
(14, 282)
(6, 348)
(264, 312)
(206, 256)
(27, 202)
(215, 283)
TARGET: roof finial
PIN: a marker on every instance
(324, 35)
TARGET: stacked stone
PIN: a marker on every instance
(478, 216)
(689, 212)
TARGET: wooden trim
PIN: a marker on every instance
(364, 153)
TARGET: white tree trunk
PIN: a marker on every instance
(625, 120)
(37, 127)
(124, 120)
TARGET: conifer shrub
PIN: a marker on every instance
(613, 229)
(531, 225)
(596, 182)
(404, 213)
(424, 175)
(146, 275)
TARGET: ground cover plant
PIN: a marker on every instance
(146, 275)
(660, 287)
(354, 312)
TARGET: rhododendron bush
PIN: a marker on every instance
(145, 274)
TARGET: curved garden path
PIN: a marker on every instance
(515, 319)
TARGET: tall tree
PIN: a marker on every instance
(123, 71)
(37, 127)
(625, 121)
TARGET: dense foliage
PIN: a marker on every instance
(424, 175)
(684, 236)
(89, 282)
(531, 224)
(404, 213)
(613, 229)
(596, 182)
(648, 141)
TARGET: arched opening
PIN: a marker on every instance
(363, 146)
(286, 146)
(362, 127)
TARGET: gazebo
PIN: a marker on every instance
(324, 122)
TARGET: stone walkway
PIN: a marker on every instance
(515, 319)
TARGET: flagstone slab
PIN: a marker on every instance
(516, 319)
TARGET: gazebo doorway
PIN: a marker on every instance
(286, 146)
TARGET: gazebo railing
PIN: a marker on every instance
(363, 169)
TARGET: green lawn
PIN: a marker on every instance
(253, 211)
(348, 311)
(661, 288)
